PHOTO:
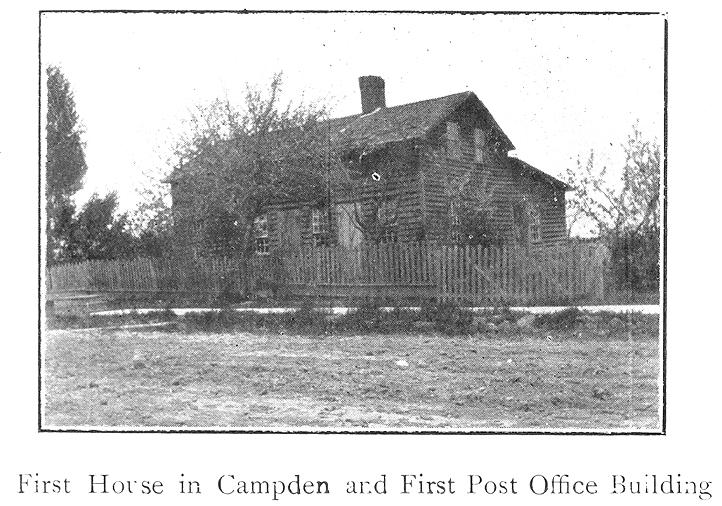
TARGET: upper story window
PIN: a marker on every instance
(479, 141)
(260, 234)
(357, 165)
(453, 140)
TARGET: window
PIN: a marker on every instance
(527, 223)
(387, 218)
(453, 140)
(478, 145)
(455, 222)
(357, 165)
(534, 223)
(260, 233)
(319, 225)
(319, 221)
(348, 230)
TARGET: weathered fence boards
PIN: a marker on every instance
(208, 275)
(466, 274)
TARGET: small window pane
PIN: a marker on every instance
(260, 226)
(260, 233)
(319, 221)
(453, 139)
(478, 145)
(262, 246)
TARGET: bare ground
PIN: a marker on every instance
(147, 378)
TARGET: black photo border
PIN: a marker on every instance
(557, 432)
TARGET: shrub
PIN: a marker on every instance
(634, 260)
(504, 314)
(228, 293)
(447, 317)
(643, 324)
(601, 323)
(370, 309)
(305, 317)
(565, 319)
(367, 316)
(213, 321)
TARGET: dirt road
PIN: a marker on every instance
(133, 378)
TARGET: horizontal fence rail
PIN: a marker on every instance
(422, 270)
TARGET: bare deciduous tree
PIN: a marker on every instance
(625, 211)
(629, 203)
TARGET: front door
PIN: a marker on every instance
(349, 236)
(289, 229)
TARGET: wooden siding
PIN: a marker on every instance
(398, 168)
(495, 172)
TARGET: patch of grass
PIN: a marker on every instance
(75, 321)
(638, 323)
(600, 325)
(368, 317)
(305, 319)
(445, 318)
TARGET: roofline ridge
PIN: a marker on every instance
(349, 116)
(467, 92)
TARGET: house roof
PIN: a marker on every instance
(403, 122)
(529, 170)
(415, 121)
(398, 123)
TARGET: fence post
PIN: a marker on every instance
(599, 271)
(435, 264)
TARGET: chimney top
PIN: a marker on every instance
(373, 93)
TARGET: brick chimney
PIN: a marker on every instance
(373, 93)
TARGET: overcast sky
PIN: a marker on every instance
(558, 85)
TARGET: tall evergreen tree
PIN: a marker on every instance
(65, 166)
(96, 233)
